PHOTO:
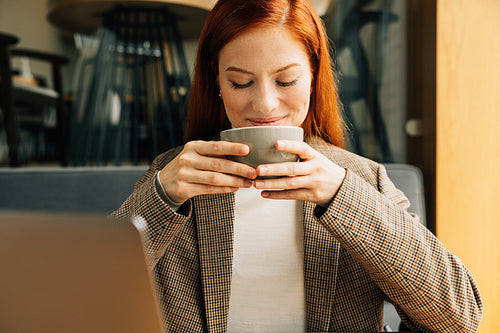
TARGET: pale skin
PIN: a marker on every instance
(272, 88)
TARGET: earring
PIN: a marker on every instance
(220, 94)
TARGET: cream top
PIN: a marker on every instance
(267, 288)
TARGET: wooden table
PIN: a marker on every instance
(85, 16)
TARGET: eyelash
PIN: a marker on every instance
(241, 86)
(286, 84)
(246, 85)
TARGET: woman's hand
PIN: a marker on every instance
(202, 168)
(315, 178)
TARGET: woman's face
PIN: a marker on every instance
(265, 78)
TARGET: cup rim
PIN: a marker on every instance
(261, 127)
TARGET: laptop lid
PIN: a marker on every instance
(74, 273)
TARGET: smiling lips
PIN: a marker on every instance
(266, 121)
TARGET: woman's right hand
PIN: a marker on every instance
(202, 168)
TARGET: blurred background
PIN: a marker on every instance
(419, 83)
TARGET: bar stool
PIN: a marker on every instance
(130, 95)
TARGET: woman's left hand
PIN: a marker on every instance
(314, 178)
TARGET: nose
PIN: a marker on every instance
(266, 99)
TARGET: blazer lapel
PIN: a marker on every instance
(214, 218)
(321, 253)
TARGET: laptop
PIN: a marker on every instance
(74, 273)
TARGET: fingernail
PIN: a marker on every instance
(247, 183)
(259, 183)
(262, 170)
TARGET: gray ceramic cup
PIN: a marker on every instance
(262, 142)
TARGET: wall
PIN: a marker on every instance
(468, 137)
(26, 19)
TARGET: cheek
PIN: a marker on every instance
(234, 106)
(232, 103)
(301, 102)
(300, 99)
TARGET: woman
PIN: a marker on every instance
(317, 246)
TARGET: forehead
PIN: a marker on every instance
(263, 47)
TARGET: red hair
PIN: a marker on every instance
(206, 116)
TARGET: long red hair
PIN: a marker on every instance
(206, 116)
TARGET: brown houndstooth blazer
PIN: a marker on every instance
(364, 248)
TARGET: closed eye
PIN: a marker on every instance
(286, 84)
(241, 86)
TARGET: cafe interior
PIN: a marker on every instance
(91, 91)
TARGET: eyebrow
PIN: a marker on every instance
(241, 70)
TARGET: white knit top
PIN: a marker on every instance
(267, 288)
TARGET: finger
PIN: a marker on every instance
(217, 179)
(222, 165)
(298, 194)
(220, 148)
(283, 183)
(284, 169)
(300, 148)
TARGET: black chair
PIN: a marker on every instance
(14, 94)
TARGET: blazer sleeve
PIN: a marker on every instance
(162, 222)
(430, 287)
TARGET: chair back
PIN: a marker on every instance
(409, 179)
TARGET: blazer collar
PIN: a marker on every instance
(214, 218)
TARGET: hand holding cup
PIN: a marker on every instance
(287, 167)
(202, 168)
